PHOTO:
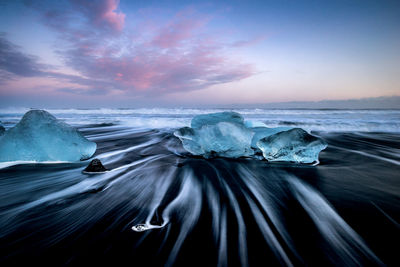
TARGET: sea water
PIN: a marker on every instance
(158, 205)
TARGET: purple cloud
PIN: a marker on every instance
(179, 55)
(13, 62)
(16, 64)
(180, 28)
(103, 13)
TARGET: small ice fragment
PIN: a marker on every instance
(140, 227)
(144, 227)
(295, 145)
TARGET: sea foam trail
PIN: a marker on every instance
(345, 242)
(160, 206)
(21, 162)
(339, 236)
(187, 203)
(220, 220)
(269, 207)
(169, 118)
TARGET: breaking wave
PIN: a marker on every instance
(162, 118)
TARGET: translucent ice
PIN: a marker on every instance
(262, 132)
(295, 145)
(223, 139)
(144, 227)
(252, 124)
(41, 137)
(226, 134)
(140, 227)
(214, 118)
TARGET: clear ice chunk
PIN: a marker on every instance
(140, 227)
(144, 227)
(39, 136)
(222, 139)
(262, 132)
(214, 118)
(226, 134)
(295, 145)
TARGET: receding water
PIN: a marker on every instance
(160, 206)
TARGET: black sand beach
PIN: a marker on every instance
(342, 212)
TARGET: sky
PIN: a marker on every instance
(110, 53)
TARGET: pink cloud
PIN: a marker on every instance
(182, 27)
(111, 15)
(149, 71)
(177, 53)
(102, 13)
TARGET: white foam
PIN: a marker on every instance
(160, 118)
(339, 235)
(21, 162)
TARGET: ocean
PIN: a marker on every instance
(160, 206)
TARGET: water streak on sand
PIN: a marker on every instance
(160, 206)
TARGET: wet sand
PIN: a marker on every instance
(343, 212)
